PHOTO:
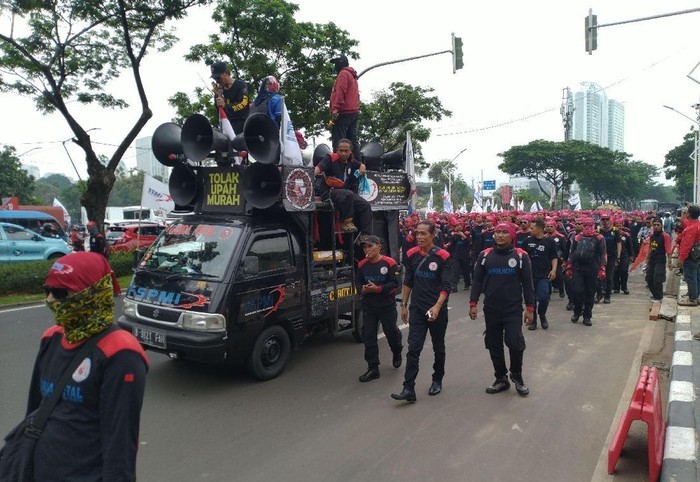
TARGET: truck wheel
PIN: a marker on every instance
(270, 353)
(357, 332)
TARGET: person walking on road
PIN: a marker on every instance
(586, 266)
(660, 246)
(376, 275)
(427, 285)
(504, 275)
(544, 260)
(614, 249)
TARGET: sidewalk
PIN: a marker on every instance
(683, 411)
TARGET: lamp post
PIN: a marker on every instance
(69, 156)
(695, 155)
(449, 175)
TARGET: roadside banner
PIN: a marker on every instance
(156, 195)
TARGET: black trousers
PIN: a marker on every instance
(345, 127)
(605, 285)
(418, 328)
(506, 329)
(461, 269)
(585, 282)
(655, 277)
(371, 318)
(621, 275)
(351, 205)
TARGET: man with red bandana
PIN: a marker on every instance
(560, 245)
(586, 266)
(503, 274)
(524, 231)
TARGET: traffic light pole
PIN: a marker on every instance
(402, 60)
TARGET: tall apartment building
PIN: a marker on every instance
(147, 162)
(597, 119)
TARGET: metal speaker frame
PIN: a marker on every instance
(166, 144)
(261, 185)
(199, 138)
(183, 185)
(321, 151)
(371, 155)
(262, 138)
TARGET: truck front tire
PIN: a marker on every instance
(270, 353)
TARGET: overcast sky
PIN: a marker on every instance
(518, 58)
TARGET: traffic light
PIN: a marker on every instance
(591, 32)
(457, 54)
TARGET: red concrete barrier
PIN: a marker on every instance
(645, 406)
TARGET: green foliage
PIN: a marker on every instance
(263, 38)
(62, 188)
(679, 166)
(394, 112)
(127, 189)
(29, 277)
(442, 173)
(14, 181)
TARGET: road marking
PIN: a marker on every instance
(401, 327)
(680, 443)
(682, 358)
(681, 391)
(682, 335)
(20, 309)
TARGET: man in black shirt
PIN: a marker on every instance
(613, 247)
(427, 284)
(660, 247)
(503, 274)
(377, 280)
(232, 95)
(460, 244)
(543, 256)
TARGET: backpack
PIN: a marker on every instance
(585, 252)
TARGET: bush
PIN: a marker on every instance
(28, 277)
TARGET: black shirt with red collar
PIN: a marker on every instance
(332, 166)
(383, 274)
(434, 276)
(504, 276)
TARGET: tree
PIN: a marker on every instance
(442, 173)
(263, 38)
(396, 111)
(14, 181)
(679, 166)
(127, 189)
(70, 53)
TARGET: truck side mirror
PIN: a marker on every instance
(250, 265)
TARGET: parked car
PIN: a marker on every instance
(20, 244)
(125, 238)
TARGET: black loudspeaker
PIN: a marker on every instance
(261, 185)
(321, 151)
(199, 138)
(371, 155)
(394, 160)
(166, 144)
(262, 138)
(183, 185)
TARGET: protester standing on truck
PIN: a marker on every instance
(341, 173)
(377, 280)
(427, 285)
(231, 94)
(269, 100)
(504, 275)
(345, 104)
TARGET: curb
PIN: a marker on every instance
(681, 445)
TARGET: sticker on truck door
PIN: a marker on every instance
(268, 302)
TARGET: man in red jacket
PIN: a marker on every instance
(345, 104)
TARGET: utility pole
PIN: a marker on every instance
(567, 115)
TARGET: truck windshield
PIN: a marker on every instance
(199, 250)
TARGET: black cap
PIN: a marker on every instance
(371, 239)
(218, 68)
(340, 59)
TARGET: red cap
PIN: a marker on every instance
(77, 271)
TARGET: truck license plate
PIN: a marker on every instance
(154, 338)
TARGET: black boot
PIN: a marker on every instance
(396, 360)
(575, 317)
(544, 322)
(520, 387)
(406, 395)
(435, 388)
(372, 373)
(587, 322)
(569, 306)
(501, 384)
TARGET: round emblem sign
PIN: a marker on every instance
(383, 270)
(299, 190)
(432, 266)
(512, 262)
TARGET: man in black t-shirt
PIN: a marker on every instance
(613, 247)
(543, 257)
(232, 95)
(660, 247)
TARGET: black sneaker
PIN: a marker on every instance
(569, 306)
(396, 360)
(371, 374)
(406, 395)
(575, 317)
(520, 386)
(544, 322)
(597, 298)
(500, 385)
(626, 292)
(606, 300)
(532, 326)
(587, 322)
(562, 293)
(616, 291)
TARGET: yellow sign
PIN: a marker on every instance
(223, 189)
(341, 293)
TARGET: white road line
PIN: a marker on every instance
(401, 327)
(21, 308)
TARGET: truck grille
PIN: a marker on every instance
(159, 314)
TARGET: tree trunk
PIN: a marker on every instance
(96, 194)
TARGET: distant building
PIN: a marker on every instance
(597, 119)
(147, 162)
(31, 170)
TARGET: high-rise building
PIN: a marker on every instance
(31, 170)
(597, 119)
(147, 162)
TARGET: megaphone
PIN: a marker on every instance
(261, 185)
(371, 155)
(166, 144)
(199, 138)
(183, 185)
(262, 138)
(394, 160)
(321, 151)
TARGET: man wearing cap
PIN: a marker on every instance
(231, 94)
(92, 433)
(504, 275)
(376, 278)
(345, 104)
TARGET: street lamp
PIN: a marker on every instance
(449, 176)
(69, 156)
(695, 155)
(27, 152)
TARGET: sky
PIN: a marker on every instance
(518, 57)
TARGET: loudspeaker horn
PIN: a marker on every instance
(261, 185)
(321, 151)
(199, 138)
(262, 138)
(371, 155)
(166, 144)
(394, 160)
(183, 185)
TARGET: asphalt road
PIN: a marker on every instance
(316, 422)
